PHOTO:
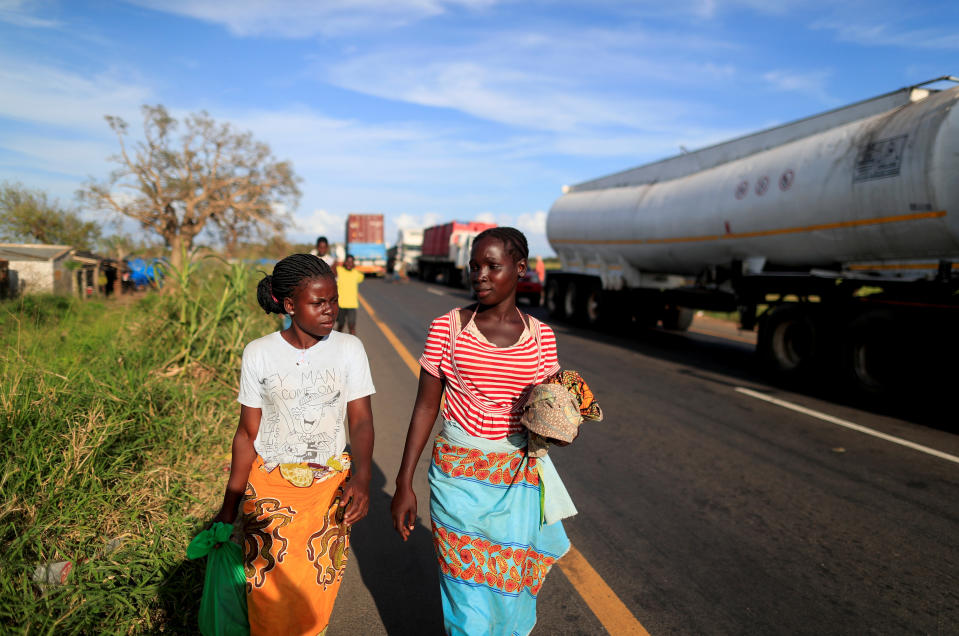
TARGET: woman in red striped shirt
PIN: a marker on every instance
(492, 544)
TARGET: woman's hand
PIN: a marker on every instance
(224, 516)
(403, 510)
(356, 491)
(356, 499)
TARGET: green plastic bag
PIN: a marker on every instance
(223, 605)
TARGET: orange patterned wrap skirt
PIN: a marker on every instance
(296, 546)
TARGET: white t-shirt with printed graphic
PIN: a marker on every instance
(303, 395)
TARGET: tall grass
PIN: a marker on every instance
(115, 424)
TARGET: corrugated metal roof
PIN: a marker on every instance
(32, 252)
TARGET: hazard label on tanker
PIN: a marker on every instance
(786, 180)
(742, 189)
(762, 185)
(880, 159)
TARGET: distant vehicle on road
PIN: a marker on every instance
(364, 242)
(838, 235)
(405, 254)
(446, 252)
(530, 288)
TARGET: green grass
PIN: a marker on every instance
(115, 425)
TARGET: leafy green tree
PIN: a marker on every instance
(28, 215)
(209, 177)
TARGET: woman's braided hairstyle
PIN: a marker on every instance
(513, 240)
(288, 274)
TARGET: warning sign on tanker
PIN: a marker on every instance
(880, 159)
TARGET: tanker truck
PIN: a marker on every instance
(837, 236)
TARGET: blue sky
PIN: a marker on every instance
(436, 110)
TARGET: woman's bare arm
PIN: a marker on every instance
(243, 456)
(425, 409)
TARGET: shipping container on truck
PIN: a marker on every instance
(445, 252)
(364, 242)
(837, 235)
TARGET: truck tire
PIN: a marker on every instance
(554, 298)
(677, 318)
(595, 306)
(572, 302)
(871, 355)
(788, 340)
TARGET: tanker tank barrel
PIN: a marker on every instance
(850, 218)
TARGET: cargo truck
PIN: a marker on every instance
(404, 256)
(836, 235)
(446, 252)
(364, 242)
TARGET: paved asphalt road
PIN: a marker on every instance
(705, 509)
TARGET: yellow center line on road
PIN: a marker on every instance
(410, 361)
(601, 599)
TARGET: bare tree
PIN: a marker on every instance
(211, 176)
(28, 215)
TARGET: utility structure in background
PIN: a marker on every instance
(837, 235)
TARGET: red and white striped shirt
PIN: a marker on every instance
(487, 394)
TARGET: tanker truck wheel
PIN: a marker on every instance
(554, 298)
(595, 306)
(871, 353)
(573, 305)
(788, 340)
(677, 318)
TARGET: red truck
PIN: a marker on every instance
(446, 252)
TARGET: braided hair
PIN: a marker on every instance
(513, 240)
(288, 275)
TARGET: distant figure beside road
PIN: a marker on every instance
(348, 283)
(322, 250)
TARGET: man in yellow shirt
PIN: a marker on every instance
(347, 286)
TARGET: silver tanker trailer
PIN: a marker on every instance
(838, 235)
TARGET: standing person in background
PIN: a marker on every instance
(347, 283)
(111, 273)
(299, 491)
(541, 270)
(322, 250)
(492, 540)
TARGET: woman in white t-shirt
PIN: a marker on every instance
(299, 488)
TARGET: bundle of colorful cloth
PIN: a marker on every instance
(556, 408)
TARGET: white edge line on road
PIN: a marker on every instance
(855, 427)
(435, 291)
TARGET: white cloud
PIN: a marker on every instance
(890, 34)
(532, 222)
(498, 91)
(22, 13)
(44, 94)
(485, 217)
(304, 18)
(40, 153)
(408, 221)
(812, 84)
(321, 222)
